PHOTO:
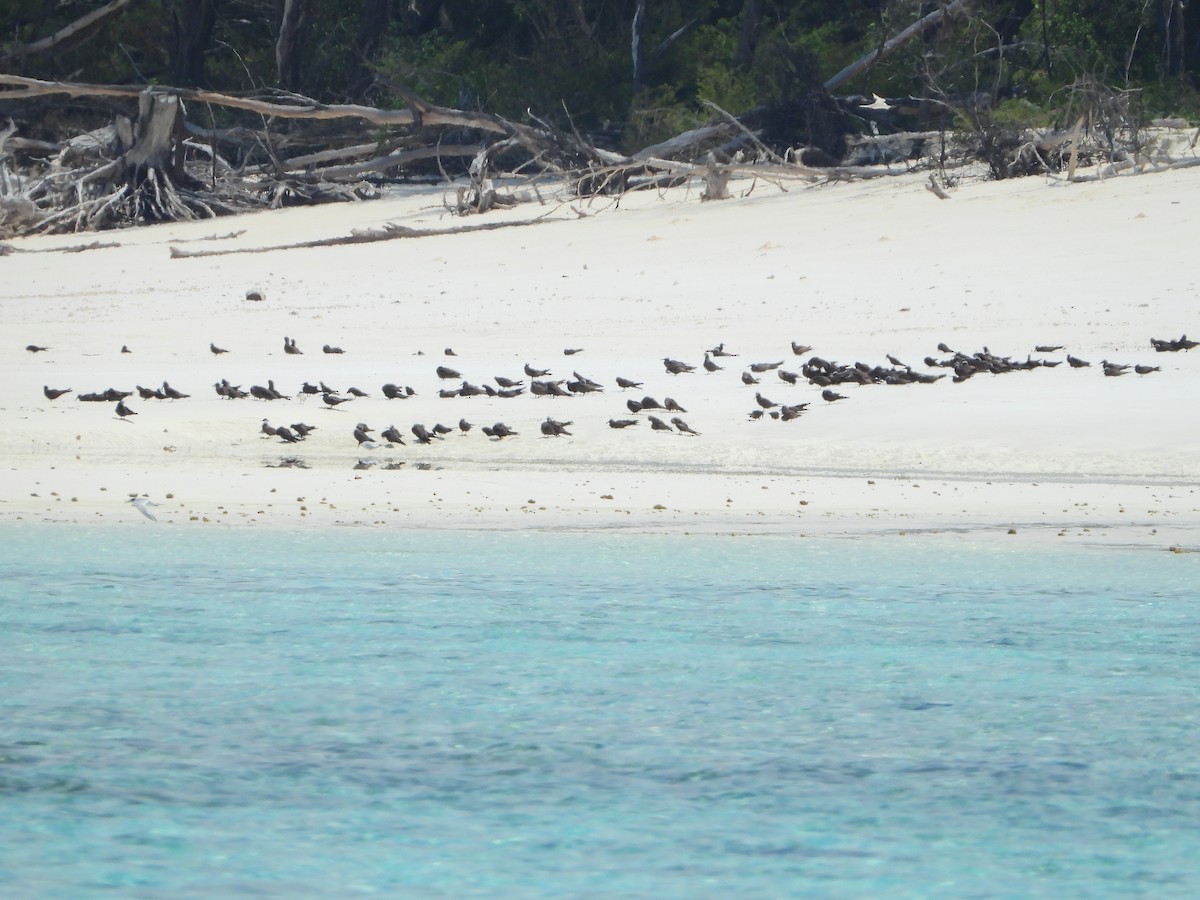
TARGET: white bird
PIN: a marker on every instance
(141, 503)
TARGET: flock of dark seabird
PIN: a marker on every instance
(815, 371)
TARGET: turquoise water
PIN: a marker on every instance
(197, 713)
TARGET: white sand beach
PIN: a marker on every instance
(856, 270)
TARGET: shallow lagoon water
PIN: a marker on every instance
(194, 713)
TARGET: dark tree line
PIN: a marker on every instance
(635, 67)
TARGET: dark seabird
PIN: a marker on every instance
(787, 413)
(285, 434)
(710, 366)
(1047, 348)
(393, 392)
(289, 346)
(831, 396)
(361, 433)
(764, 402)
(275, 394)
(649, 402)
(670, 405)
(392, 436)
(449, 352)
(551, 428)
(1146, 370)
(621, 423)
(800, 349)
(216, 351)
(533, 373)
(464, 426)
(508, 382)
(356, 392)
(303, 430)
(146, 393)
(658, 424)
(1075, 363)
(470, 390)
(747, 378)
(755, 415)
(448, 373)
(34, 348)
(683, 426)
(258, 392)
(307, 388)
(325, 389)
(500, 430)
(125, 348)
(123, 410)
(720, 350)
(1117, 366)
(112, 394)
(633, 406)
(268, 429)
(944, 349)
(328, 349)
(571, 351)
(789, 377)
(896, 362)
(54, 393)
(675, 367)
(765, 367)
(440, 429)
(333, 400)
(510, 392)
(421, 433)
(627, 383)
(173, 394)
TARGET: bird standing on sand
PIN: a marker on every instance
(800, 349)
(464, 426)
(124, 411)
(216, 351)
(747, 378)
(658, 424)
(683, 426)
(34, 348)
(710, 366)
(267, 428)
(531, 372)
(289, 346)
(328, 349)
(627, 383)
(831, 396)
(54, 393)
(1146, 370)
(1076, 363)
(621, 423)
(392, 436)
(675, 367)
(448, 373)
(286, 435)
(764, 402)
(332, 400)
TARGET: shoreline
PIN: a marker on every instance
(859, 271)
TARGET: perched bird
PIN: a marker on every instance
(392, 436)
(1047, 348)
(124, 411)
(289, 346)
(896, 362)
(831, 396)
(34, 348)
(1119, 367)
(710, 366)
(764, 402)
(675, 367)
(328, 349)
(362, 432)
(173, 394)
(498, 431)
(440, 430)
(747, 378)
(633, 406)
(755, 415)
(216, 351)
(658, 424)
(787, 413)
(670, 405)
(1076, 363)
(447, 373)
(268, 429)
(54, 393)
(720, 350)
(531, 372)
(356, 392)
(303, 430)
(449, 352)
(421, 433)
(140, 504)
(258, 392)
(464, 426)
(789, 377)
(627, 383)
(125, 348)
(944, 349)
(621, 423)
(508, 382)
(333, 401)
(683, 426)
(571, 351)
(800, 349)
(285, 434)
(649, 402)
(765, 367)
(1146, 370)
(552, 428)
(393, 392)
(275, 394)
(148, 394)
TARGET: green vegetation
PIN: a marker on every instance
(1003, 63)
